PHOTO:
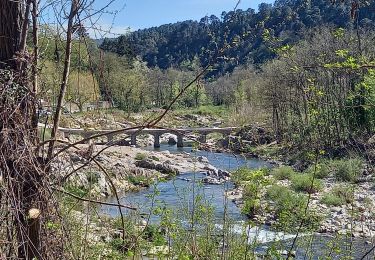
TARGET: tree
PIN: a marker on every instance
(129, 89)
(82, 89)
(23, 179)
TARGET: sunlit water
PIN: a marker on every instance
(177, 194)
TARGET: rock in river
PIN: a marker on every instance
(165, 168)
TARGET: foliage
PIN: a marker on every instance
(306, 183)
(283, 173)
(360, 104)
(309, 106)
(266, 32)
(128, 88)
(339, 195)
(82, 89)
(322, 170)
(244, 174)
(78, 191)
(140, 180)
(289, 210)
(347, 169)
(253, 182)
(153, 234)
(140, 156)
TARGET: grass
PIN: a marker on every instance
(347, 170)
(339, 195)
(140, 181)
(322, 170)
(283, 173)
(289, 209)
(140, 156)
(206, 110)
(304, 183)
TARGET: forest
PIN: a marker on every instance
(245, 136)
(256, 34)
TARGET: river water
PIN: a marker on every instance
(178, 193)
(179, 190)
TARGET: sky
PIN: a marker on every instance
(139, 14)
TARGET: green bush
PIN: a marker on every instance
(322, 170)
(154, 234)
(276, 192)
(303, 183)
(140, 156)
(289, 210)
(338, 196)
(347, 169)
(332, 200)
(253, 182)
(78, 191)
(246, 174)
(93, 177)
(283, 172)
(153, 157)
(140, 181)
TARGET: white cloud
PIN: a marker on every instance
(102, 30)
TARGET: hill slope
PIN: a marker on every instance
(252, 34)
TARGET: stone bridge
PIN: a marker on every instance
(155, 132)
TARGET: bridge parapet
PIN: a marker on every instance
(156, 132)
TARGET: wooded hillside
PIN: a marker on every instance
(255, 34)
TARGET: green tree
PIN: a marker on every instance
(82, 89)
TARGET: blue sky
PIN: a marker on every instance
(139, 14)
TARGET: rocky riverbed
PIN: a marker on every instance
(133, 168)
(356, 219)
(129, 168)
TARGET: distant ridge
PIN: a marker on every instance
(253, 34)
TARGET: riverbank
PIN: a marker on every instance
(134, 169)
(336, 206)
(127, 168)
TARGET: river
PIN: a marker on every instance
(178, 193)
(171, 191)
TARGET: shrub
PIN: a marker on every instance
(338, 196)
(303, 183)
(276, 192)
(140, 156)
(140, 180)
(332, 200)
(347, 169)
(78, 191)
(154, 234)
(246, 174)
(253, 182)
(322, 170)
(289, 210)
(153, 157)
(93, 177)
(283, 173)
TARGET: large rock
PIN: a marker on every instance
(165, 167)
(251, 135)
(202, 159)
(211, 170)
(212, 181)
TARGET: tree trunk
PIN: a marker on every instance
(10, 32)
(19, 162)
(64, 83)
